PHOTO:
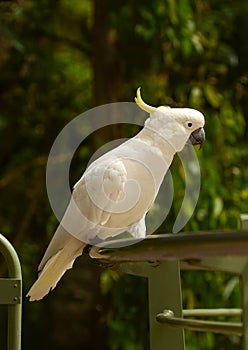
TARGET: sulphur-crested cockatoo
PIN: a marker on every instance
(116, 190)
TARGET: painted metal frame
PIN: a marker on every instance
(223, 251)
(160, 259)
(11, 293)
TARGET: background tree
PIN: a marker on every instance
(61, 58)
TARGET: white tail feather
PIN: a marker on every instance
(55, 268)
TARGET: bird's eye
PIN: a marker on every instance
(189, 124)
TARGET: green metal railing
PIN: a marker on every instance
(160, 258)
(167, 317)
(11, 293)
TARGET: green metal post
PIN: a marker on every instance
(245, 306)
(164, 287)
(165, 292)
(244, 226)
(14, 284)
(244, 221)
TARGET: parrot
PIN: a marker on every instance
(117, 190)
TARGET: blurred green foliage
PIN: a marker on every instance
(59, 58)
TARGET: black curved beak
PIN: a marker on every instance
(197, 137)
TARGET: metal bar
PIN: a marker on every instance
(165, 289)
(10, 291)
(245, 306)
(167, 317)
(14, 310)
(212, 312)
(244, 286)
(166, 247)
(229, 264)
(244, 221)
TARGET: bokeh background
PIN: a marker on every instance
(59, 58)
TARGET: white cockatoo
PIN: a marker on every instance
(117, 190)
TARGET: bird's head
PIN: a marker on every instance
(182, 124)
